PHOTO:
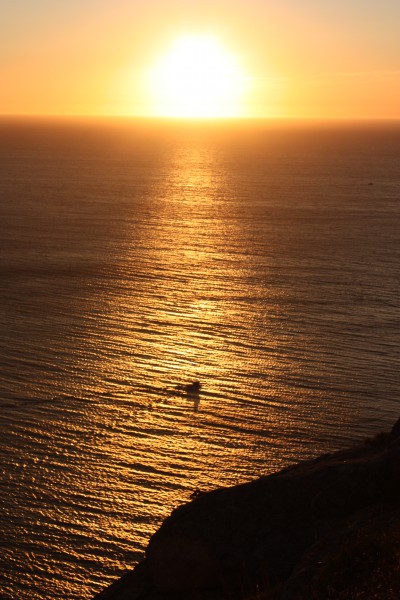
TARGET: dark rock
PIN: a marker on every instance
(358, 561)
(395, 432)
(277, 531)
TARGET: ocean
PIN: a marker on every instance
(136, 257)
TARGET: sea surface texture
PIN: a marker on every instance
(137, 257)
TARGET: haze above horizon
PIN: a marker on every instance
(201, 60)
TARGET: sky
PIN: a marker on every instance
(297, 58)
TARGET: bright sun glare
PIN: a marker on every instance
(197, 78)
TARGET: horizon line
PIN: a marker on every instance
(191, 119)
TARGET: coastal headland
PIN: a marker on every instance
(327, 528)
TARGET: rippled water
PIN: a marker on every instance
(260, 259)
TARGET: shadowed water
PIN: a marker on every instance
(138, 257)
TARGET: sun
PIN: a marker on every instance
(197, 78)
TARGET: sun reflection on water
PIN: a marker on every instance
(188, 270)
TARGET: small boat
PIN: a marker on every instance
(193, 388)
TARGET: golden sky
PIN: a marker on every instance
(292, 58)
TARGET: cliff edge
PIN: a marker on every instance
(327, 528)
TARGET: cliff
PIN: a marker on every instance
(324, 528)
